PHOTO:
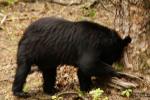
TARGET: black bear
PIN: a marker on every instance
(49, 42)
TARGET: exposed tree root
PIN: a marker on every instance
(125, 80)
(126, 75)
(121, 84)
(141, 94)
(126, 61)
(115, 86)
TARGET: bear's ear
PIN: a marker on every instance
(126, 40)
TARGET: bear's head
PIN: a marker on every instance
(115, 51)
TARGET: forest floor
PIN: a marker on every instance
(19, 16)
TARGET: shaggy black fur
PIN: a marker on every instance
(50, 42)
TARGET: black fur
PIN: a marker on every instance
(50, 42)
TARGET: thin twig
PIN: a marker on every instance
(67, 93)
(106, 8)
(65, 4)
(112, 3)
(3, 19)
(21, 18)
(1, 14)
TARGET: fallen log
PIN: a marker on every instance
(123, 84)
(124, 81)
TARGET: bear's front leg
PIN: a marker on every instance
(20, 78)
(84, 81)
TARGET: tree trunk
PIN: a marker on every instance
(133, 18)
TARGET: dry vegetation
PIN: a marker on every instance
(19, 16)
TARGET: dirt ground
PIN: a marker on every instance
(19, 16)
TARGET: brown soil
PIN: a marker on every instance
(19, 16)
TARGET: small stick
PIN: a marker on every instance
(3, 19)
(67, 93)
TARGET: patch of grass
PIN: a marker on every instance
(127, 93)
(89, 12)
(96, 94)
(81, 93)
(26, 88)
(11, 2)
(92, 13)
(118, 66)
(54, 97)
